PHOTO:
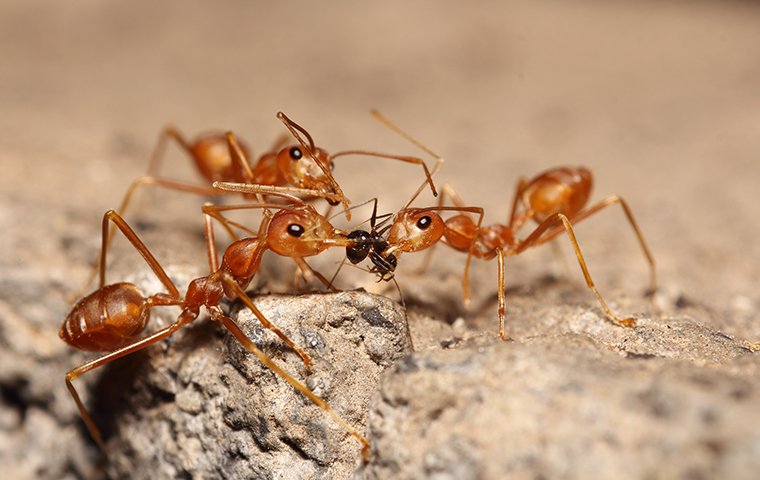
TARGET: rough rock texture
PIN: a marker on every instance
(572, 406)
(658, 99)
(203, 408)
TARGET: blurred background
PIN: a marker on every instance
(659, 99)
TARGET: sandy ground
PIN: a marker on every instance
(659, 99)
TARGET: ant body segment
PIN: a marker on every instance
(113, 317)
(303, 169)
(555, 199)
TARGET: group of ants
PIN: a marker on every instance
(285, 184)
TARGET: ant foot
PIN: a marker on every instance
(629, 322)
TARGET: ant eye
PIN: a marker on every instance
(295, 153)
(295, 230)
(332, 165)
(424, 222)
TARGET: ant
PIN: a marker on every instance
(221, 158)
(302, 169)
(555, 199)
(112, 318)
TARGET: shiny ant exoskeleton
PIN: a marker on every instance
(113, 318)
(303, 169)
(555, 199)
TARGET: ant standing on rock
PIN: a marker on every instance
(112, 318)
(555, 199)
(302, 169)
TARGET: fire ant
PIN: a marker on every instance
(222, 159)
(303, 169)
(112, 318)
(555, 199)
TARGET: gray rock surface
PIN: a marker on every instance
(205, 408)
(572, 406)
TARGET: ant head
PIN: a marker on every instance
(300, 169)
(415, 229)
(359, 250)
(299, 231)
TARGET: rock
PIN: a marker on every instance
(202, 406)
(572, 406)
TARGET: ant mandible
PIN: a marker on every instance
(555, 199)
(222, 159)
(112, 318)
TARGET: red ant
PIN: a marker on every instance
(297, 170)
(220, 158)
(113, 317)
(555, 199)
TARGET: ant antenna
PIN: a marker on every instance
(294, 129)
(293, 126)
(384, 120)
(439, 160)
(335, 275)
(436, 167)
(352, 207)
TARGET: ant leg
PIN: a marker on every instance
(401, 158)
(126, 230)
(264, 322)
(535, 238)
(502, 308)
(142, 181)
(168, 133)
(238, 159)
(233, 327)
(208, 234)
(72, 375)
(277, 190)
(306, 272)
(629, 215)
(514, 223)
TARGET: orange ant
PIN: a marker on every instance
(221, 158)
(555, 199)
(112, 318)
(302, 169)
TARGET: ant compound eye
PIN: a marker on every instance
(424, 222)
(332, 165)
(295, 153)
(296, 230)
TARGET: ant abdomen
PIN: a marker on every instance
(106, 319)
(213, 159)
(559, 190)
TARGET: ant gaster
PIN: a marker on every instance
(112, 318)
(555, 199)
